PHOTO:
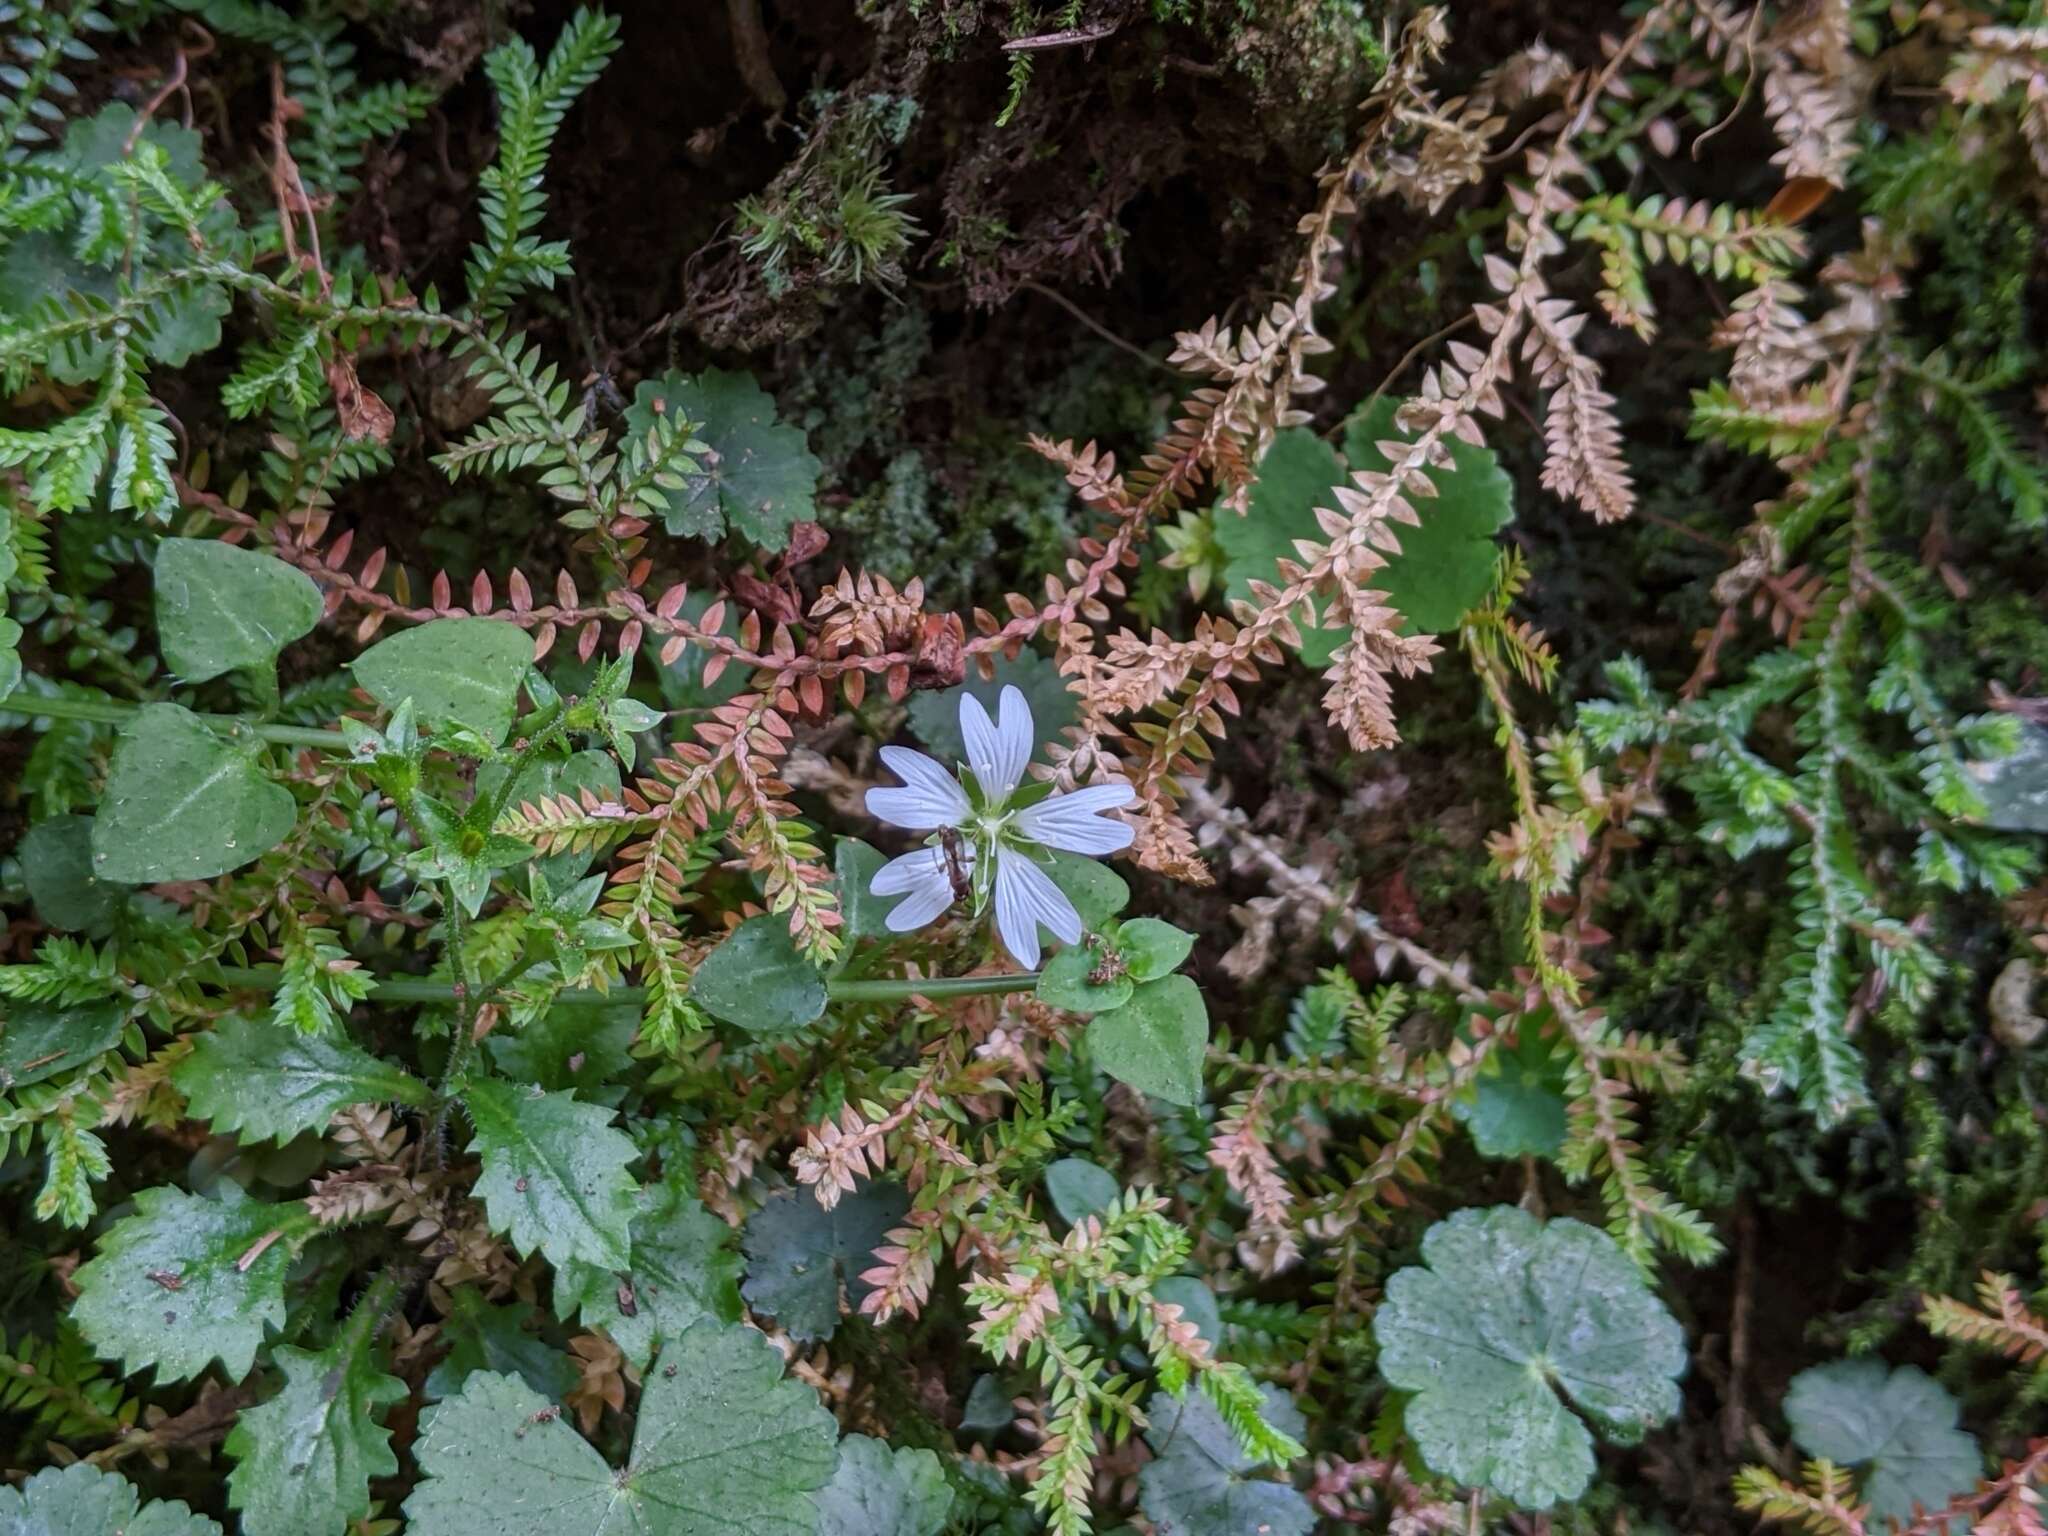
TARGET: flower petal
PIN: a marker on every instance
(930, 797)
(1027, 900)
(998, 754)
(1070, 822)
(923, 879)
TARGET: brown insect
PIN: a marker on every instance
(956, 863)
(546, 1415)
(170, 1280)
(1108, 968)
(629, 1304)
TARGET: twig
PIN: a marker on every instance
(1071, 37)
(1099, 328)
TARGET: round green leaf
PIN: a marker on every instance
(1505, 1312)
(1445, 566)
(82, 1500)
(1295, 477)
(219, 607)
(56, 865)
(455, 671)
(1900, 1425)
(721, 1444)
(184, 804)
(1201, 1483)
(1080, 1188)
(753, 476)
(883, 1491)
(1151, 948)
(759, 980)
(1517, 1106)
(1156, 1040)
(802, 1257)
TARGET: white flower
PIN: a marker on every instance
(990, 832)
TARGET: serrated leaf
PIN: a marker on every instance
(220, 607)
(82, 1500)
(1445, 567)
(759, 980)
(756, 477)
(554, 1173)
(1897, 1426)
(304, 1458)
(882, 1491)
(1151, 948)
(684, 1268)
(722, 1445)
(1505, 1312)
(181, 1284)
(1295, 477)
(182, 803)
(1156, 1041)
(800, 1255)
(56, 865)
(253, 1080)
(1200, 1482)
(483, 1337)
(570, 1046)
(1516, 1107)
(1079, 1188)
(456, 671)
(935, 715)
(41, 1040)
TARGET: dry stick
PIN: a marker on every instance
(1202, 802)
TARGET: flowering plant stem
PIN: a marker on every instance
(883, 990)
(37, 706)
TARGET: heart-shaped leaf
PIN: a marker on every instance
(219, 607)
(1899, 1426)
(1155, 1042)
(183, 803)
(759, 980)
(456, 672)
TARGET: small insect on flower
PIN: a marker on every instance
(992, 832)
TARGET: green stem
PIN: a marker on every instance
(404, 990)
(37, 706)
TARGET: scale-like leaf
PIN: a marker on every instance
(877, 1491)
(183, 803)
(1897, 1425)
(304, 1459)
(722, 1445)
(754, 476)
(1201, 1483)
(82, 1500)
(456, 671)
(1155, 1042)
(219, 607)
(1505, 1313)
(256, 1081)
(186, 1281)
(759, 980)
(684, 1268)
(799, 1254)
(554, 1173)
